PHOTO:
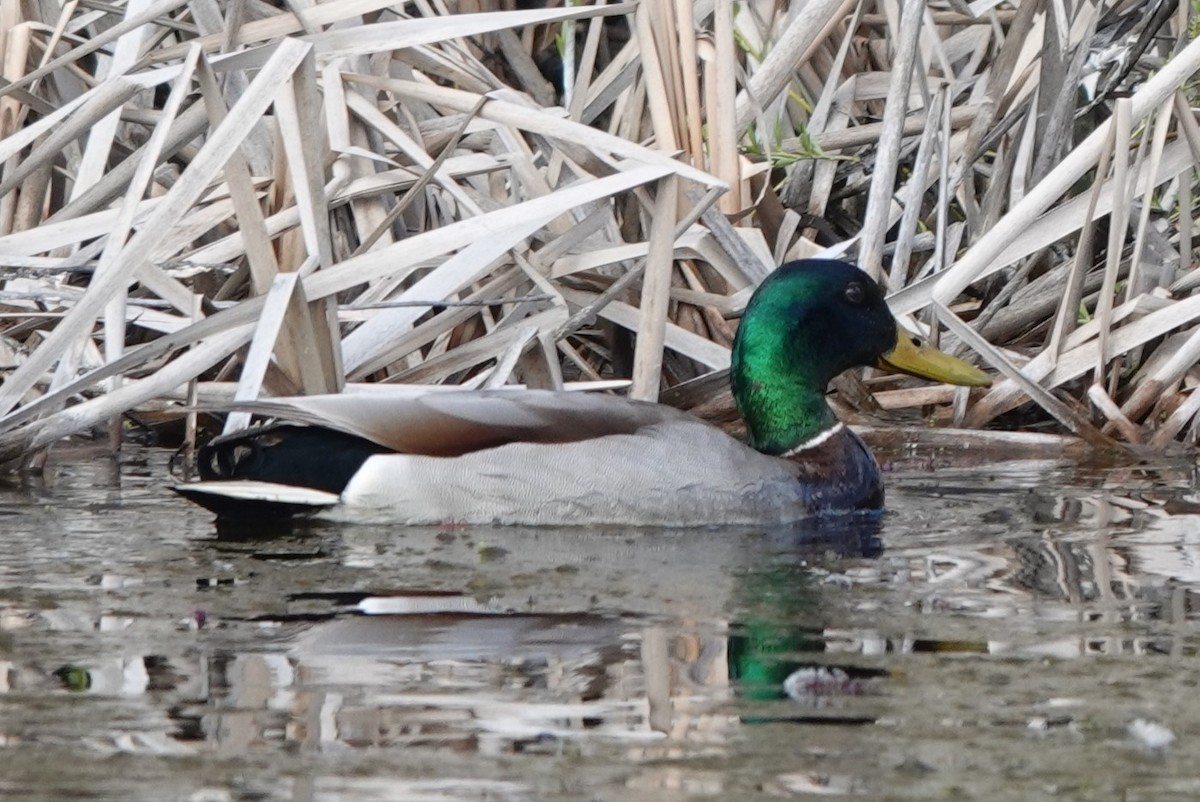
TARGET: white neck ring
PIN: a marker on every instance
(813, 442)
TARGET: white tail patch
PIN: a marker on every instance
(248, 490)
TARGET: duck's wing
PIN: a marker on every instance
(454, 423)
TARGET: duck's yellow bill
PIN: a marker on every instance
(930, 363)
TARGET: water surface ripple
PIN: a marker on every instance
(1021, 631)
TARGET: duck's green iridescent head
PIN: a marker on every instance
(806, 323)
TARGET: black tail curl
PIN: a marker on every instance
(287, 454)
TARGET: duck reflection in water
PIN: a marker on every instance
(566, 634)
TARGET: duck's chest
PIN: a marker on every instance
(838, 472)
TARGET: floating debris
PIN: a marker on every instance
(1150, 735)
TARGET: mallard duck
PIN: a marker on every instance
(557, 458)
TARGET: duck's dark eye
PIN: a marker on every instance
(855, 293)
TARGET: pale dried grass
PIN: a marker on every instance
(202, 200)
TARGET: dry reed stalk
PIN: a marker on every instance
(656, 283)
(887, 150)
(721, 85)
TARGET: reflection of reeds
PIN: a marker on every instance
(194, 195)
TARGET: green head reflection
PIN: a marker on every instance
(781, 624)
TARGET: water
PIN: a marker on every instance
(1022, 631)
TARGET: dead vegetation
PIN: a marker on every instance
(204, 201)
